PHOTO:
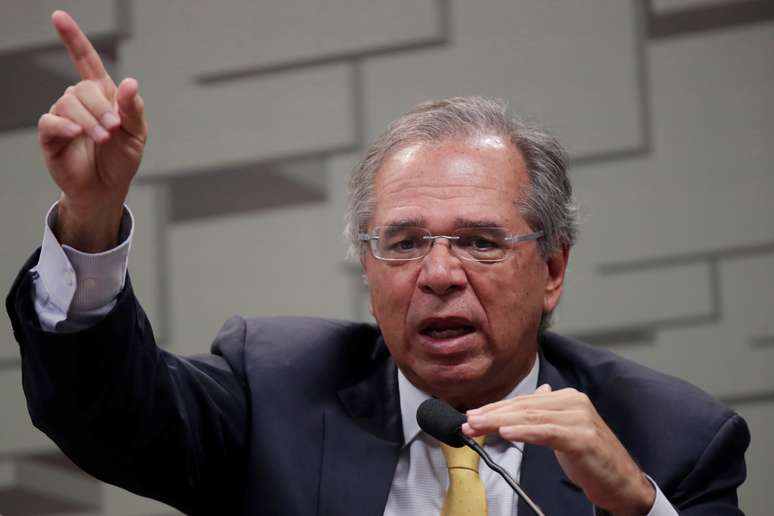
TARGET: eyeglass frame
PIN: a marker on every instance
(512, 239)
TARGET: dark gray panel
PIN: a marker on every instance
(36, 79)
(245, 188)
(712, 17)
(25, 502)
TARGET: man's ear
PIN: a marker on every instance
(556, 266)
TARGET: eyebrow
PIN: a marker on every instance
(417, 221)
(458, 223)
(476, 223)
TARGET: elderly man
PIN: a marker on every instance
(462, 219)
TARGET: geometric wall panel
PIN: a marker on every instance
(573, 68)
(696, 353)
(594, 304)
(25, 24)
(25, 197)
(707, 184)
(18, 435)
(755, 493)
(194, 127)
(263, 263)
(293, 112)
(210, 40)
(147, 202)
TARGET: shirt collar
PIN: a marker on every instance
(411, 398)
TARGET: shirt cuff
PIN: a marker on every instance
(74, 281)
(661, 507)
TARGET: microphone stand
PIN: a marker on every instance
(511, 482)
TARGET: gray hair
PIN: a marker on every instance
(547, 206)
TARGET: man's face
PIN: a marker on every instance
(462, 331)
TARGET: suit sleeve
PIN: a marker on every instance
(132, 414)
(711, 487)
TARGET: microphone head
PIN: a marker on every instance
(442, 421)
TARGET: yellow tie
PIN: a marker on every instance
(466, 495)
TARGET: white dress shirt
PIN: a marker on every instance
(74, 290)
(421, 478)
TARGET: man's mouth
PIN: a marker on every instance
(442, 329)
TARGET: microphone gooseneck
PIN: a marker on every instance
(442, 421)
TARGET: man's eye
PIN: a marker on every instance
(402, 245)
(406, 245)
(483, 244)
(479, 243)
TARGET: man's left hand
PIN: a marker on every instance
(588, 451)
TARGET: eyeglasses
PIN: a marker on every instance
(406, 243)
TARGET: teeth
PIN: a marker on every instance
(448, 333)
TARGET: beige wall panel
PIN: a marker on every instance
(25, 197)
(707, 184)
(274, 32)
(7, 473)
(755, 494)
(119, 502)
(340, 167)
(18, 435)
(277, 262)
(147, 202)
(572, 67)
(27, 24)
(720, 357)
(60, 483)
(195, 126)
(593, 303)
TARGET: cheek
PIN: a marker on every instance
(513, 302)
(390, 292)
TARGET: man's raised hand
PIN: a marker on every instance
(92, 139)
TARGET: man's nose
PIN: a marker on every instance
(442, 272)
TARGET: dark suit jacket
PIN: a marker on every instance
(297, 416)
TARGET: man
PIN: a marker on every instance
(463, 220)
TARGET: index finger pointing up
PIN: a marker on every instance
(82, 53)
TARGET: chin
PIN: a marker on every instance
(450, 381)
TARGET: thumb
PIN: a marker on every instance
(132, 109)
(543, 389)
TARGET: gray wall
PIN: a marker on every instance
(258, 110)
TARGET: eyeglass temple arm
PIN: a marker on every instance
(528, 236)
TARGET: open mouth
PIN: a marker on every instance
(446, 329)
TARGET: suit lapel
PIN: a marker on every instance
(542, 478)
(361, 444)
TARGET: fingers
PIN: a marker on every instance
(541, 395)
(69, 106)
(132, 109)
(54, 132)
(92, 98)
(80, 49)
(537, 418)
(545, 388)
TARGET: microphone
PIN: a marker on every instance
(442, 421)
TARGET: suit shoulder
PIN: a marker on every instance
(288, 341)
(614, 382)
